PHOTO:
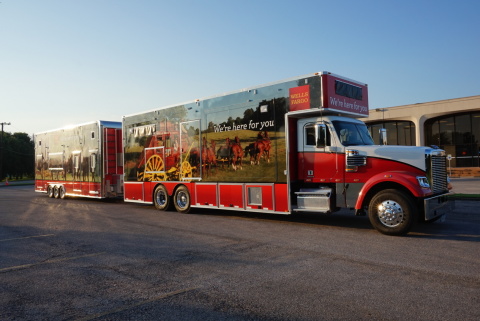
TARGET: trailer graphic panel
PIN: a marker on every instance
(243, 142)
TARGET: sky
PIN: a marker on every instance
(69, 62)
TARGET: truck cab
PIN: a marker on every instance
(339, 166)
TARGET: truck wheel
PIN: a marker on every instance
(181, 199)
(161, 200)
(61, 192)
(392, 212)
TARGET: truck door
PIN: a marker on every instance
(318, 162)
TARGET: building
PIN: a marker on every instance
(452, 124)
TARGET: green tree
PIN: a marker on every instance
(18, 155)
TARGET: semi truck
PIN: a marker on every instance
(83, 160)
(292, 146)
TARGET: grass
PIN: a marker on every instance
(458, 196)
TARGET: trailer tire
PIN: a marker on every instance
(161, 199)
(181, 199)
(50, 191)
(56, 192)
(392, 212)
(61, 192)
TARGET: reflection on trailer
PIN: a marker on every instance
(83, 160)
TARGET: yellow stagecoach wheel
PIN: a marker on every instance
(154, 164)
(186, 169)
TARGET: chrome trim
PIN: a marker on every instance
(437, 206)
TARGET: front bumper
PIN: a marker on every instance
(437, 206)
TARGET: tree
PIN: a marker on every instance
(18, 155)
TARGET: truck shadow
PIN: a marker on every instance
(456, 226)
(449, 229)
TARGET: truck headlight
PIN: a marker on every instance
(423, 181)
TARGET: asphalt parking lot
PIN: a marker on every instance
(82, 259)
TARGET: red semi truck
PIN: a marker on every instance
(282, 148)
(83, 160)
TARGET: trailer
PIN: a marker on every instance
(286, 147)
(83, 160)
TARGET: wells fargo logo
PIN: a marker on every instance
(300, 98)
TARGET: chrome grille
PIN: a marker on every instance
(438, 174)
(356, 160)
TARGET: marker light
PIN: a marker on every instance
(423, 181)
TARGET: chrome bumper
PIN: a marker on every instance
(437, 206)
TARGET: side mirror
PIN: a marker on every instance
(323, 136)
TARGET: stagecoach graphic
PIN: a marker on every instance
(155, 167)
(162, 158)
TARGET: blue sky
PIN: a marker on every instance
(68, 62)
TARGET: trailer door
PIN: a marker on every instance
(191, 158)
(77, 171)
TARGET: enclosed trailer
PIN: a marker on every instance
(83, 160)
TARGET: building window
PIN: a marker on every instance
(398, 132)
(458, 135)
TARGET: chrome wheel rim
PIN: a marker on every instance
(182, 199)
(161, 198)
(390, 213)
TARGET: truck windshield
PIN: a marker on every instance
(352, 133)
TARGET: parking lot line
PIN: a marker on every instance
(130, 306)
(11, 268)
(27, 237)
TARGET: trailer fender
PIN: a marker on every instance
(406, 180)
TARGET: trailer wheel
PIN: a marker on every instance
(50, 191)
(392, 212)
(61, 192)
(181, 199)
(56, 192)
(161, 200)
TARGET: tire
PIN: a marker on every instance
(181, 199)
(392, 212)
(50, 191)
(161, 199)
(61, 192)
(56, 192)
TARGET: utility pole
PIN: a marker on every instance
(2, 151)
